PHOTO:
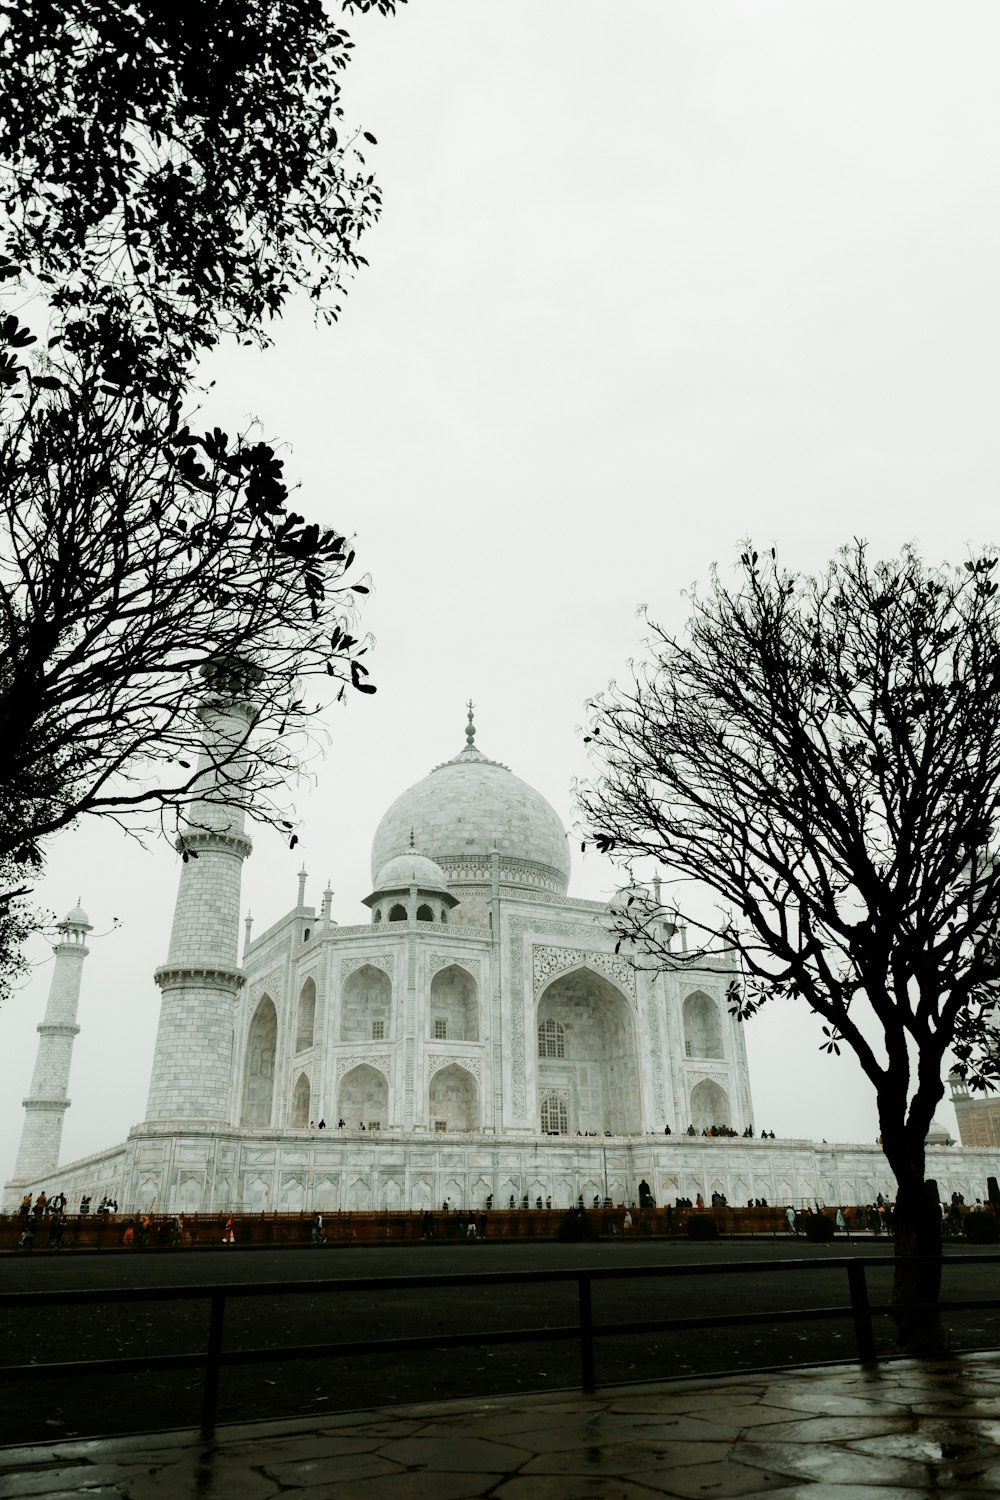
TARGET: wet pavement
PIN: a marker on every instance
(906, 1429)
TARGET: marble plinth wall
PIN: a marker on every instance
(167, 1170)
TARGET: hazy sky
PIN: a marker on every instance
(649, 279)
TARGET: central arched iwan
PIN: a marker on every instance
(588, 1052)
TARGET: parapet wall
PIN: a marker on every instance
(205, 1169)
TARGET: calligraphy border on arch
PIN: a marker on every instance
(438, 961)
(380, 1061)
(383, 961)
(722, 1079)
(438, 1060)
(270, 985)
(656, 1047)
(547, 961)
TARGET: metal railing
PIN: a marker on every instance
(213, 1358)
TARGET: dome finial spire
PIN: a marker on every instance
(470, 728)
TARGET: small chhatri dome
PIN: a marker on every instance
(939, 1135)
(412, 868)
(76, 918)
(469, 809)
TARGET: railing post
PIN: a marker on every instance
(863, 1331)
(213, 1364)
(586, 1334)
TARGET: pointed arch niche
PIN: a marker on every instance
(454, 1099)
(709, 1105)
(455, 1001)
(363, 1098)
(306, 1023)
(365, 1005)
(702, 1028)
(301, 1098)
(258, 1074)
(597, 1070)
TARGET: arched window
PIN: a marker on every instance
(444, 914)
(702, 1031)
(709, 1106)
(258, 1077)
(363, 1098)
(366, 997)
(397, 913)
(551, 1039)
(307, 1017)
(424, 914)
(555, 1120)
(453, 1098)
(300, 1104)
(454, 1007)
(378, 914)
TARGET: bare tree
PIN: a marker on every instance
(143, 568)
(823, 756)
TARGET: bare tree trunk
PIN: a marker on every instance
(917, 1230)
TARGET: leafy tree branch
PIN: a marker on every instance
(179, 171)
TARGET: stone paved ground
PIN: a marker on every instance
(904, 1431)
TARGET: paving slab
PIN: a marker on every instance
(717, 1477)
(900, 1432)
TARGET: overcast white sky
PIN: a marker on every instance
(650, 278)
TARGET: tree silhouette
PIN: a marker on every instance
(144, 567)
(823, 755)
(172, 173)
(169, 176)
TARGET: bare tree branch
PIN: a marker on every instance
(137, 557)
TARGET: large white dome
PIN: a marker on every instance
(464, 811)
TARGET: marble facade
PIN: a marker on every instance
(481, 1026)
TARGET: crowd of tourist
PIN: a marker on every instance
(138, 1230)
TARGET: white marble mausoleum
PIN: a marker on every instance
(476, 1035)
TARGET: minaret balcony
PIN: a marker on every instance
(214, 838)
(214, 976)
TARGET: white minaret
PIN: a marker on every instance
(47, 1103)
(192, 1061)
